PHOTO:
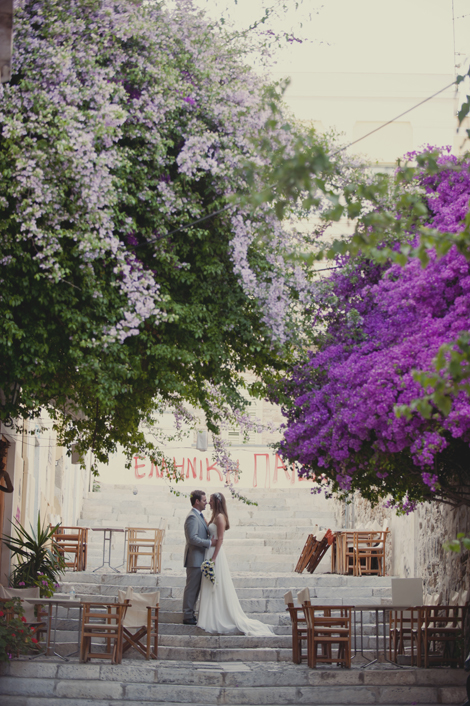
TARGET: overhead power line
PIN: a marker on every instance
(395, 118)
(341, 149)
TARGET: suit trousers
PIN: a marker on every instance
(191, 590)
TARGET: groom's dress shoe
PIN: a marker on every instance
(190, 621)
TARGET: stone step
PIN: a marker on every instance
(173, 546)
(284, 580)
(215, 648)
(236, 550)
(256, 494)
(95, 539)
(133, 682)
(172, 606)
(255, 566)
(244, 654)
(271, 566)
(45, 701)
(241, 642)
(270, 534)
(176, 592)
(121, 521)
(136, 509)
(67, 621)
(203, 640)
(167, 509)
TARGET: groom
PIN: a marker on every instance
(197, 541)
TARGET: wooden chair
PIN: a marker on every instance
(345, 552)
(102, 621)
(72, 543)
(328, 626)
(305, 554)
(141, 620)
(299, 628)
(403, 626)
(84, 549)
(369, 553)
(440, 635)
(334, 554)
(144, 543)
(324, 541)
(314, 550)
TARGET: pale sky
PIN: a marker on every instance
(379, 36)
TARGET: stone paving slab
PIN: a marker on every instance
(228, 683)
(40, 701)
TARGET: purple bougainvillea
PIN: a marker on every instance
(381, 323)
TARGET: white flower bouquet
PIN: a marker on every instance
(208, 570)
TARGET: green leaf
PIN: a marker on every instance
(452, 546)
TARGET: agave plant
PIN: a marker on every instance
(39, 561)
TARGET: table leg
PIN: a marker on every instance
(124, 550)
(54, 641)
(377, 636)
(386, 659)
(113, 568)
(107, 539)
(104, 548)
(77, 651)
(361, 651)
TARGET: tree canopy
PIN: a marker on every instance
(378, 324)
(130, 273)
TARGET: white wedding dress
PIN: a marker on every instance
(220, 610)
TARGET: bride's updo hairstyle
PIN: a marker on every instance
(219, 507)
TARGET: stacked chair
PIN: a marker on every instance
(72, 543)
(360, 551)
(144, 548)
(314, 550)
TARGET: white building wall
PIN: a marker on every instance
(44, 481)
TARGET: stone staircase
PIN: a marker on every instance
(261, 597)
(262, 545)
(263, 538)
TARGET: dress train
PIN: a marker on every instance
(220, 610)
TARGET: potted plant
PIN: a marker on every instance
(39, 562)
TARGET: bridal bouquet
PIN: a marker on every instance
(208, 570)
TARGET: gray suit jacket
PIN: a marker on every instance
(197, 539)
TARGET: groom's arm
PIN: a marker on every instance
(192, 537)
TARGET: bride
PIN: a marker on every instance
(220, 610)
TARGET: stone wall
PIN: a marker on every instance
(414, 545)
